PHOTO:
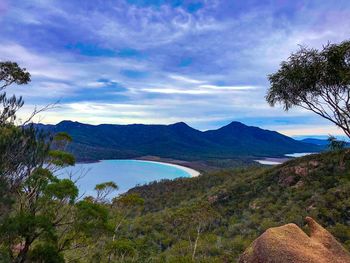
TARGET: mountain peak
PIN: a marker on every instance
(66, 122)
(178, 140)
(180, 124)
(234, 124)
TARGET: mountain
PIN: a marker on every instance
(316, 141)
(107, 141)
(322, 142)
(241, 139)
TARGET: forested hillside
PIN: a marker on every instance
(177, 140)
(225, 211)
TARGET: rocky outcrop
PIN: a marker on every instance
(289, 244)
(291, 175)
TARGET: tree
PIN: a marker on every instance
(42, 205)
(90, 226)
(334, 144)
(13, 143)
(104, 190)
(123, 206)
(317, 81)
(11, 73)
(34, 203)
(192, 221)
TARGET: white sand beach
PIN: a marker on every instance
(190, 171)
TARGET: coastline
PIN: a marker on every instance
(198, 165)
(272, 161)
(190, 171)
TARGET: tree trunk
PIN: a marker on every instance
(115, 235)
(22, 256)
(196, 242)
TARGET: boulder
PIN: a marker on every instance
(289, 244)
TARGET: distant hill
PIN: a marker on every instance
(320, 142)
(107, 141)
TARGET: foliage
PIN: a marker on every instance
(234, 207)
(104, 190)
(60, 158)
(41, 218)
(34, 202)
(334, 144)
(46, 253)
(14, 142)
(41, 203)
(317, 81)
(11, 73)
(210, 218)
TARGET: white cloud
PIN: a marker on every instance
(309, 130)
(186, 79)
(230, 55)
(215, 87)
(176, 91)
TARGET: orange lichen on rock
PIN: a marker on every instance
(289, 244)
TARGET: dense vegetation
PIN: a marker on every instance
(177, 141)
(41, 217)
(211, 218)
(225, 211)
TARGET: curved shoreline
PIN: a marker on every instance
(190, 171)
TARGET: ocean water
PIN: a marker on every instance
(276, 161)
(125, 173)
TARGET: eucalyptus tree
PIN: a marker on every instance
(34, 203)
(334, 144)
(13, 144)
(316, 80)
(41, 216)
(122, 207)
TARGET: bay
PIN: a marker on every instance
(125, 173)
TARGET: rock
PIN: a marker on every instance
(287, 181)
(290, 175)
(314, 163)
(212, 199)
(289, 244)
(302, 171)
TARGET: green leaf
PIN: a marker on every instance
(61, 158)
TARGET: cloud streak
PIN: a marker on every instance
(141, 61)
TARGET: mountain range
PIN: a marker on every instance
(321, 142)
(109, 141)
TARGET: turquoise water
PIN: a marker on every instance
(125, 173)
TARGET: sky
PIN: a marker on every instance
(203, 62)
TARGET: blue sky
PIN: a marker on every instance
(203, 62)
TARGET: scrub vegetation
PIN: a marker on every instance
(210, 218)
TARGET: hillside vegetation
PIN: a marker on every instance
(214, 217)
(177, 140)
